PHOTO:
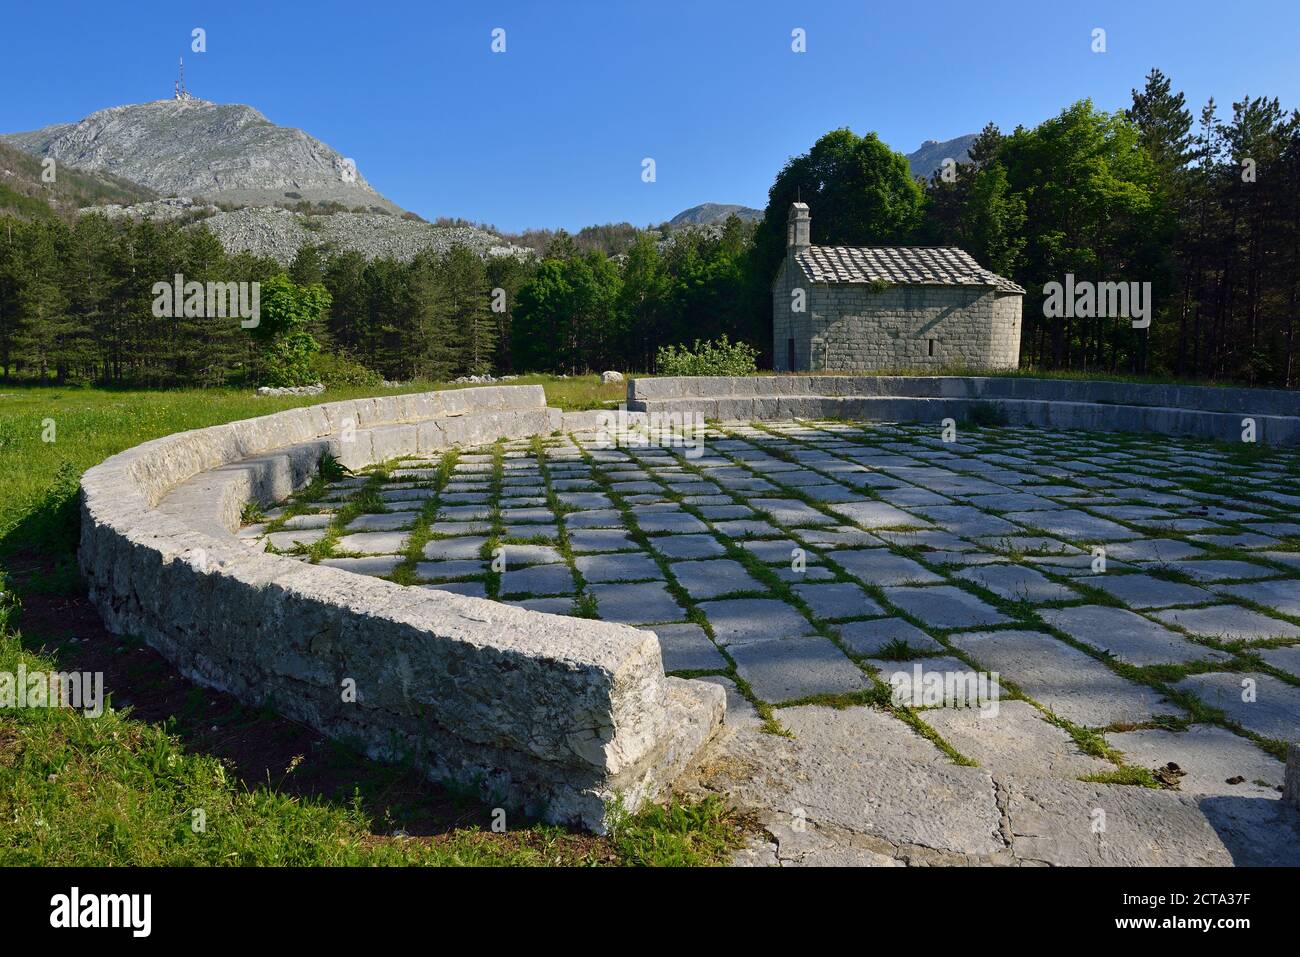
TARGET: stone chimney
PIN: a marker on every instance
(798, 235)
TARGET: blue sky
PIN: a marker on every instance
(553, 131)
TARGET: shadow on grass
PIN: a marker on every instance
(52, 526)
(259, 748)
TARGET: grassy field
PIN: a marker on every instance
(92, 424)
(127, 787)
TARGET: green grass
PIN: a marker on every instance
(117, 790)
(37, 478)
(113, 791)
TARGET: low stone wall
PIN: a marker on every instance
(542, 713)
(1199, 411)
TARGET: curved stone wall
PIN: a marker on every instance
(1199, 411)
(544, 713)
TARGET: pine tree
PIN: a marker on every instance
(434, 338)
(1164, 122)
(46, 339)
(465, 286)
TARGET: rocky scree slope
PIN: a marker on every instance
(280, 233)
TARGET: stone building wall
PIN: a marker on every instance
(850, 327)
(788, 324)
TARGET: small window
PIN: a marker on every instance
(930, 347)
(789, 355)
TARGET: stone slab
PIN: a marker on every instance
(439, 549)
(647, 603)
(944, 606)
(618, 566)
(1126, 635)
(1273, 713)
(1229, 623)
(687, 546)
(737, 621)
(1057, 822)
(1209, 758)
(714, 577)
(788, 669)
(1015, 739)
(537, 580)
(872, 515)
(366, 543)
(871, 637)
(1018, 583)
(880, 566)
(1144, 591)
(685, 647)
(433, 571)
(1063, 679)
(1282, 595)
(384, 522)
(837, 600)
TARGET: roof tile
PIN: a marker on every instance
(899, 265)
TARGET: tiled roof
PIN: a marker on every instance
(899, 265)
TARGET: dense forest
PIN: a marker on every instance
(1208, 212)
(1206, 209)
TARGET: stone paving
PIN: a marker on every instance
(1136, 599)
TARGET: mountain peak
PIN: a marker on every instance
(707, 213)
(931, 154)
(221, 152)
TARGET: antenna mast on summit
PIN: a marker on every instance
(179, 91)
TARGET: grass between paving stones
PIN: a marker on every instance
(627, 512)
(489, 553)
(1159, 678)
(421, 534)
(1128, 774)
(585, 604)
(364, 500)
(1162, 677)
(879, 694)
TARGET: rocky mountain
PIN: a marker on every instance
(231, 169)
(708, 213)
(220, 152)
(932, 153)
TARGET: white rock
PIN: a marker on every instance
(316, 389)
